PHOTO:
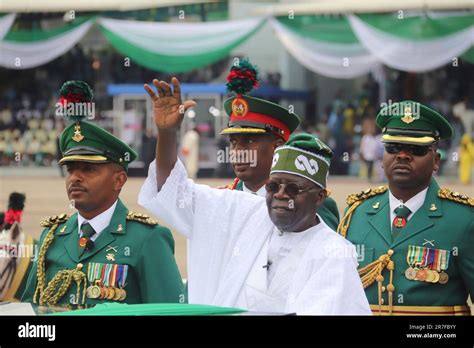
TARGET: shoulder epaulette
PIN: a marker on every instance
(142, 218)
(446, 193)
(54, 220)
(354, 200)
(363, 195)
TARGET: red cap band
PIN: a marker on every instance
(264, 119)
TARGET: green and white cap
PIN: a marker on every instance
(304, 155)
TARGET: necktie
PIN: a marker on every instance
(85, 242)
(400, 220)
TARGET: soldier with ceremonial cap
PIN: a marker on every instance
(103, 252)
(416, 240)
(256, 128)
(244, 251)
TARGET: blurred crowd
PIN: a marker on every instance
(28, 139)
(29, 128)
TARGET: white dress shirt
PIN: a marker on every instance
(261, 191)
(98, 223)
(283, 244)
(413, 204)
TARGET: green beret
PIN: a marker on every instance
(306, 156)
(411, 122)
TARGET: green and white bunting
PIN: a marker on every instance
(334, 46)
(416, 43)
(326, 46)
(177, 47)
(351, 46)
(24, 50)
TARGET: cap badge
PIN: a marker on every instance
(77, 133)
(408, 115)
(240, 107)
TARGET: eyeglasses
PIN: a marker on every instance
(290, 189)
(416, 150)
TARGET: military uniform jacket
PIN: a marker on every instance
(130, 239)
(444, 222)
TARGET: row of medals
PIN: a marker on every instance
(426, 275)
(106, 293)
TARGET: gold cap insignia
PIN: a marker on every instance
(408, 115)
(77, 133)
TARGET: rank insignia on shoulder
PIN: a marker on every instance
(446, 193)
(354, 200)
(363, 195)
(54, 220)
(143, 218)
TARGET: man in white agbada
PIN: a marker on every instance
(243, 251)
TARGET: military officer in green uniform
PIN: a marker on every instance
(104, 252)
(415, 239)
(256, 128)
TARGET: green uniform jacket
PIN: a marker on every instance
(328, 210)
(147, 249)
(449, 225)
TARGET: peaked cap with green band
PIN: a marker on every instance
(254, 115)
(83, 141)
(410, 122)
(304, 155)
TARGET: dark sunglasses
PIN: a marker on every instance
(415, 150)
(290, 189)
